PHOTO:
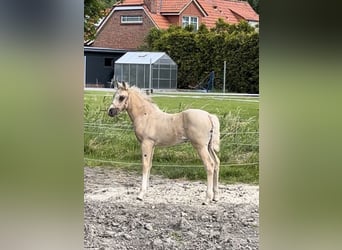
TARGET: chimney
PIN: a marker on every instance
(151, 5)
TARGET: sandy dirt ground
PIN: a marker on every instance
(170, 217)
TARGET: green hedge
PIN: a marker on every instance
(197, 53)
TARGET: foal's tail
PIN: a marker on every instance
(215, 134)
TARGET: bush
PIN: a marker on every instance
(197, 53)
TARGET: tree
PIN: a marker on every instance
(94, 10)
(255, 5)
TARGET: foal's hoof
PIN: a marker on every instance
(140, 197)
(216, 199)
(206, 202)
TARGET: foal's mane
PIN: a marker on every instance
(143, 95)
(139, 92)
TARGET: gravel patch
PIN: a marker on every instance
(170, 217)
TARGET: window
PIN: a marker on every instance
(108, 62)
(131, 19)
(190, 20)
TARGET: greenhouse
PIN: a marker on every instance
(149, 70)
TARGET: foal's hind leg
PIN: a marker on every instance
(216, 175)
(147, 150)
(209, 165)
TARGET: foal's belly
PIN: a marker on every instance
(170, 141)
(169, 137)
(168, 131)
(162, 129)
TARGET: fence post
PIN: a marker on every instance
(150, 84)
(224, 77)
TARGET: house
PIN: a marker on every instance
(129, 21)
(99, 65)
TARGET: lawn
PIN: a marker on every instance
(111, 141)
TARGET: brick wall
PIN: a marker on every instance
(173, 19)
(123, 36)
(191, 10)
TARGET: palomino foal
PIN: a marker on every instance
(154, 127)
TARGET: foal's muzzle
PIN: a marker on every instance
(113, 112)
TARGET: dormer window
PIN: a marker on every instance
(131, 19)
(190, 20)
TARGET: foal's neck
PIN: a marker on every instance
(139, 106)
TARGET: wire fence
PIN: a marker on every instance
(107, 130)
(167, 165)
(239, 139)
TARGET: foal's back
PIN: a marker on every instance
(166, 129)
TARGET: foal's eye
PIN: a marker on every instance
(121, 98)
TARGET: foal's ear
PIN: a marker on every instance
(122, 85)
(125, 85)
(119, 85)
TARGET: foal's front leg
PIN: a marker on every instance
(147, 149)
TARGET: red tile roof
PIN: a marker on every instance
(232, 11)
(242, 9)
(131, 2)
(160, 21)
(173, 6)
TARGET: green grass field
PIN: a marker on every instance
(111, 141)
